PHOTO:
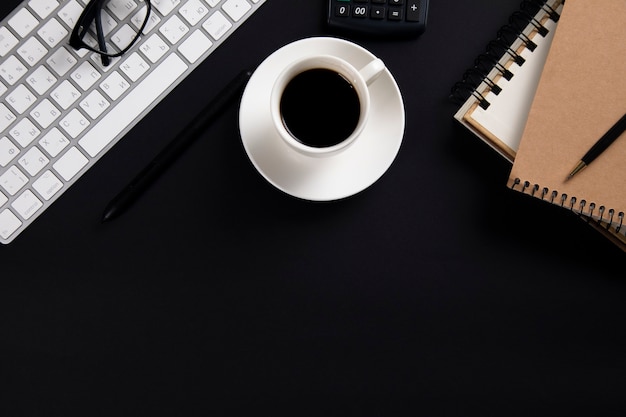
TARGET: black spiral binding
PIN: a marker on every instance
(607, 218)
(501, 46)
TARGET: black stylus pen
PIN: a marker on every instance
(600, 146)
(181, 142)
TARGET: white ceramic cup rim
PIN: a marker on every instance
(345, 69)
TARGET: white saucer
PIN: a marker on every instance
(330, 177)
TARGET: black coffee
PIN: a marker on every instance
(320, 108)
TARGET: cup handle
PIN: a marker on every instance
(371, 71)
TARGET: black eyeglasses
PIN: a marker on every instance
(122, 38)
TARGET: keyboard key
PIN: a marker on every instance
(61, 61)
(24, 132)
(123, 36)
(70, 164)
(236, 9)
(54, 142)
(140, 16)
(174, 29)
(121, 8)
(8, 151)
(6, 117)
(65, 94)
(33, 161)
(23, 22)
(96, 59)
(12, 69)
(47, 185)
(20, 98)
(32, 51)
(194, 46)
(94, 104)
(3, 199)
(45, 113)
(9, 223)
(217, 25)
(41, 80)
(74, 123)
(27, 204)
(115, 85)
(70, 13)
(43, 7)
(165, 7)
(134, 66)
(108, 23)
(52, 32)
(88, 40)
(85, 75)
(13, 180)
(154, 48)
(193, 11)
(7, 41)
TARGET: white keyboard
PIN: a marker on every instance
(61, 109)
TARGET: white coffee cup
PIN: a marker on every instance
(358, 78)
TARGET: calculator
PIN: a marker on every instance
(388, 18)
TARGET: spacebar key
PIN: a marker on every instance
(126, 110)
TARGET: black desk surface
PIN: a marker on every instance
(437, 291)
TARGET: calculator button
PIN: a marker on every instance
(377, 12)
(395, 14)
(359, 11)
(413, 11)
(342, 11)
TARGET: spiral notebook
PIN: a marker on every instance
(581, 94)
(496, 95)
(497, 92)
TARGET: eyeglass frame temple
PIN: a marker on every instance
(79, 30)
(89, 14)
(102, 43)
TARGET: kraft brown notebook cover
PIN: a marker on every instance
(581, 94)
